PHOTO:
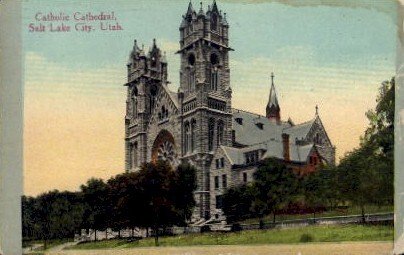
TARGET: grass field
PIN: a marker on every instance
(329, 233)
(352, 210)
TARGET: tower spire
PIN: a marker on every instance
(273, 109)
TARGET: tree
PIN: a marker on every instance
(380, 136)
(97, 210)
(237, 202)
(156, 185)
(365, 175)
(318, 188)
(275, 186)
(184, 185)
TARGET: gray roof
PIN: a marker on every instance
(268, 139)
(299, 131)
(270, 149)
(173, 95)
(249, 133)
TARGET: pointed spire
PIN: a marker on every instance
(214, 7)
(164, 58)
(273, 109)
(273, 99)
(225, 20)
(316, 110)
(201, 13)
(190, 9)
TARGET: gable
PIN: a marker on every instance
(318, 134)
(164, 108)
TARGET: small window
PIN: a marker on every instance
(239, 121)
(222, 162)
(191, 59)
(217, 163)
(216, 182)
(224, 181)
(245, 177)
(219, 202)
(260, 125)
(214, 59)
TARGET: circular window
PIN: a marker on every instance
(191, 59)
(214, 59)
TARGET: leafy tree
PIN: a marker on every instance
(184, 184)
(365, 175)
(318, 188)
(380, 137)
(237, 202)
(156, 184)
(357, 178)
(275, 186)
(97, 209)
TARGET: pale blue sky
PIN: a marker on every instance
(333, 55)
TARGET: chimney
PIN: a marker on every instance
(286, 149)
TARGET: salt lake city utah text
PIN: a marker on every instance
(76, 21)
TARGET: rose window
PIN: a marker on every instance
(166, 152)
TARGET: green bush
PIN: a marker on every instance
(305, 238)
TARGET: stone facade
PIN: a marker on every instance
(198, 125)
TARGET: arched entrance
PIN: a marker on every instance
(164, 148)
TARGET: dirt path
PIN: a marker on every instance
(346, 248)
(59, 248)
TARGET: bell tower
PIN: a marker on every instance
(146, 74)
(205, 92)
(204, 50)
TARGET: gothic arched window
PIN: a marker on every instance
(220, 133)
(187, 137)
(134, 103)
(135, 156)
(213, 23)
(211, 133)
(134, 107)
(153, 94)
(191, 81)
(214, 79)
(193, 128)
(130, 156)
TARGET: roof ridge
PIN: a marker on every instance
(253, 113)
(300, 124)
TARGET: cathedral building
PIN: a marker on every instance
(198, 124)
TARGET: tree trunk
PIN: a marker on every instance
(133, 232)
(45, 245)
(95, 235)
(147, 232)
(156, 235)
(274, 217)
(261, 223)
(314, 216)
(363, 214)
(119, 233)
(106, 234)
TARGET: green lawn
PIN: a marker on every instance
(331, 233)
(352, 210)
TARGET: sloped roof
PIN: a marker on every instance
(273, 99)
(299, 131)
(173, 96)
(248, 133)
(298, 153)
